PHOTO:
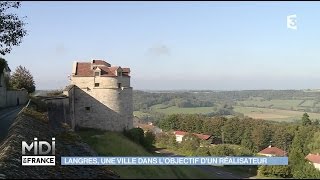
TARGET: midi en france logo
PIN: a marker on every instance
(43, 153)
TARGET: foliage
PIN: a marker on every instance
(116, 144)
(55, 92)
(149, 140)
(11, 27)
(275, 171)
(138, 136)
(32, 112)
(221, 150)
(38, 104)
(22, 78)
(305, 119)
(3, 64)
(190, 143)
(314, 145)
(167, 140)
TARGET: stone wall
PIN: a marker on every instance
(58, 111)
(12, 97)
(17, 96)
(105, 107)
(102, 109)
(104, 82)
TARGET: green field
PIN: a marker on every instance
(177, 110)
(273, 114)
(308, 103)
(139, 114)
(276, 103)
(116, 144)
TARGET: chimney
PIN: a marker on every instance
(74, 67)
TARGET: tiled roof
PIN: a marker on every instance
(201, 136)
(100, 62)
(273, 151)
(84, 69)
(315, 158)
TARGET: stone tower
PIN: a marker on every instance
(100, 96)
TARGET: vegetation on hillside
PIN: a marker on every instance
(298, 139)
(116, 144)
(279, 105)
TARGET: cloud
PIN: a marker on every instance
(159, 50)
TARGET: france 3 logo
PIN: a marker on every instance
(292, 22)
(40, 156)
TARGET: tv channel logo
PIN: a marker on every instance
(292, 22)
(41, 156)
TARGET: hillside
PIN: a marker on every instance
(274, 105)
(116, 144)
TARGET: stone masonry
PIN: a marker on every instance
(100, 96)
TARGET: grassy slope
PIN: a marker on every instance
(115, 144)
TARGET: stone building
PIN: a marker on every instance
(100, 96)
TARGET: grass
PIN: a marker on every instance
(308, 103)
(35, 114)
(116, 144)
(275, 103)
(177, 110)
(273, 114)
(244, 171)
(140, 114)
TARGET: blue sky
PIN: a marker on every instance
(175, 45)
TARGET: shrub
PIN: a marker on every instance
(136, 135)
(149, 140)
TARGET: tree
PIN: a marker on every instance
(277, 171)
(3, 65)
(149, 140)
(11, 27)
(305, 119)
(136, 135)
(190, 143)
(314, 145)
(221, 150)
(22, 78)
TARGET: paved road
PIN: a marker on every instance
(6, 118)
(215, 171)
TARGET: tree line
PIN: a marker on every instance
(298, 139)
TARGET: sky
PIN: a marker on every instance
(175, 45)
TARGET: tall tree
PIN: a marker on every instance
(22, 78)
(305, 119)
(314, 145)
(11, 27)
